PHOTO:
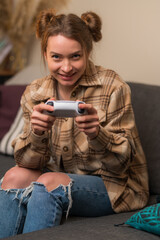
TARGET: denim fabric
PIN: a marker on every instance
(45, 208)
(89, 195)
(12, 211)
(34, 208)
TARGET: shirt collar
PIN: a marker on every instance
(44, 89)
(90, 77)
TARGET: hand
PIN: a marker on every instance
(41, 122)
(89, 124)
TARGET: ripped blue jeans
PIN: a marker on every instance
(34, 208)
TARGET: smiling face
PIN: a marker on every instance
(66, 60)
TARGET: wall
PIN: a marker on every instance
(131, 37)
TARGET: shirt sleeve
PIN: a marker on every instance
(30, 150)
(115, 136)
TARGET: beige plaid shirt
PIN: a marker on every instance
(115, 154)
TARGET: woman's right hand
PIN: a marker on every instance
(41, 122)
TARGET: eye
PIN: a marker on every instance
(76, 56)
(55, 57)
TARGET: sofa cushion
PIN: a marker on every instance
(9, 104)
(6, 162)
(145, 100)
(15, 129)
(99, 228)
(10, 115)
(147, 219)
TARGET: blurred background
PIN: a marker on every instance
(130, 43)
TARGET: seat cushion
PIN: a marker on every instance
(99, 228)
(9, 104)
(146, 100)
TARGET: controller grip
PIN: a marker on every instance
(51, 104)
(80, 110)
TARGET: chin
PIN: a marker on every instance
(68, 83)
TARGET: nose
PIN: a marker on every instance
(66, 66)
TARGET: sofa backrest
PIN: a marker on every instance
(146, 105)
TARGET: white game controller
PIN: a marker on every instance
(65, 108)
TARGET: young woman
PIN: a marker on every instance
(90, 165)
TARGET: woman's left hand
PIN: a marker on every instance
(89, 123)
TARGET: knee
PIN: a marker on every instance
(52, 180)
(18, 177)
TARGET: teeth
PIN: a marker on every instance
(67, 75)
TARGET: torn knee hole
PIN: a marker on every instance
(53, 180)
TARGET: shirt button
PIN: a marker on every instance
(73, 94)
(44, 140)
(65, 149)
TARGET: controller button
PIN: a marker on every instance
(65, 149)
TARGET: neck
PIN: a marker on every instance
(63, 92)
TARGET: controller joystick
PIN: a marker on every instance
(80, 110)
(51, 103)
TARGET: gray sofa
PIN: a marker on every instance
(146, 100)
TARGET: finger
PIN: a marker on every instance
(91, 132)
(40, 125)
(39, 129)
(88, 125)
(42, 116)
(88, 107)
(87, 118)
(43, 107)
(38, 122)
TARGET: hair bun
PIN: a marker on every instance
(44, 18)
(93, 21)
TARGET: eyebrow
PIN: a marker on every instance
(77, 52)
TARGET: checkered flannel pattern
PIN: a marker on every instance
(115, 154)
